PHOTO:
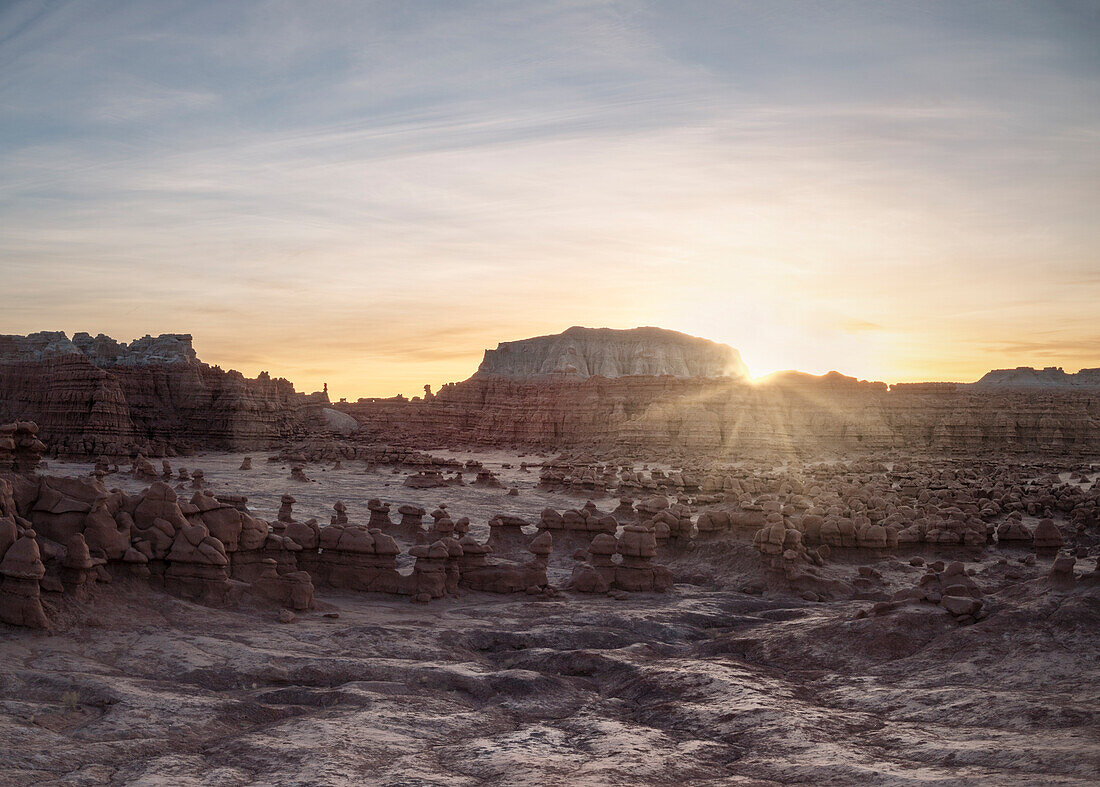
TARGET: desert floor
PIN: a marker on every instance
(705, 685)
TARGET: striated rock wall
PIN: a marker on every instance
(587, 352)
(787, 414)
(97, 396)
(79, 408)
(972, 420)
(180, 403)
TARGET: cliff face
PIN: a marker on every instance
(78, 407)
(660, 414)
(660, 392)
(580, 353)
(788, 415)
(98, 396)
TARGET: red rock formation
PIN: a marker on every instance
(293, 589)
(635, 572)
(788, 415)
(77, 568)
(574, 390)
(358, 559)
(20, 571)
(198, 567)
(79, 408)
(479, 573)
(20, 449)
(95, 396)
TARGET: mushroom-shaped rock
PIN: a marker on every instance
(587, 579)
(438, 551)
(1013, 531)
(385, 544)
(542, 545)
(1061, 572)
(286, 512)
(307, 535)
(292, 589)
(550, 520)
(379, 514)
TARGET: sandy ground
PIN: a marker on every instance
(706, 685)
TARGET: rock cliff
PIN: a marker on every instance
(581, 353)
(98, 396)
(101, 351)
(653, 391)
(642, 391)
(789, 414)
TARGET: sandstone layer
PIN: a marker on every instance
(94, 396)
(787, 414)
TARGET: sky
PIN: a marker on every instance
(370, 194)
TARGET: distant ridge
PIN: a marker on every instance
(1025, 377)
(581, 352)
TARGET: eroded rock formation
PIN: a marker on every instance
(96, 396)
(790, 414)
(581, 353)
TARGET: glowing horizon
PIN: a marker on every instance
(373, 195)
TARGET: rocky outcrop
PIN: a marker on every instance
(79, 408)
(1027, 378)
(507, 576)
(597, 571)
(337, 422)
(20, 572)
(581, 353)
(93, 396)
(788, 414)
(102, 351)
(640, 390)
(20, 448)
(198, 567)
